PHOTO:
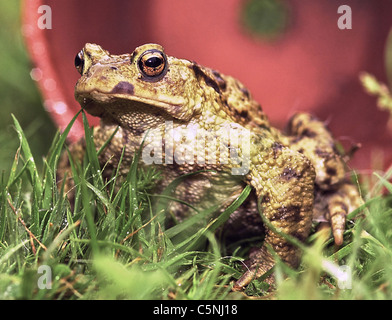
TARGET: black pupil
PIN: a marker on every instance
(153, 62)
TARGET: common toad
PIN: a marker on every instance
(192, 118)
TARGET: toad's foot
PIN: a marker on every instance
(334, 207)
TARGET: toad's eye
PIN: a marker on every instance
(79, 62)
(152, 64)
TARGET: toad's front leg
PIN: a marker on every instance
(284, 180)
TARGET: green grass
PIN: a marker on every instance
(107, 245)
(113, 243)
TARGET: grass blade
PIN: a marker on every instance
(385, 182)
(3, 205)
(92, 154)
(31, 167)
(89, 216)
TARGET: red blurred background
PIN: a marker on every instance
(313, 66)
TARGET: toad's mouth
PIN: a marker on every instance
(120, 107)
(135, 115)
(100, 104)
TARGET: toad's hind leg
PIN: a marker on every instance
(335, 196)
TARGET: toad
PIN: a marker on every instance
(190, 118)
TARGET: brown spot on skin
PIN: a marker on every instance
(244, 114)
(299, 124)
(331, 171)
(289, 214)
(326, 181)
(217, 75)
(123, 87)
(239, 114)
(137, 132)
(245, 92)
(266, 198)
(292, 127)
(209, 81)
(308, 133)
(276, 147)
(218, 78)
(289, 173)
(212, 84)
(322, 154)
